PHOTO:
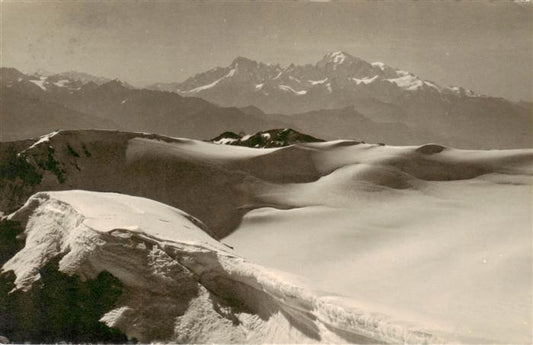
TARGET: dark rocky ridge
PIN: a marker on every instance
(265, 139)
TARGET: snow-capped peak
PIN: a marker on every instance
(338, 57)
(342, 60)
(230, 74)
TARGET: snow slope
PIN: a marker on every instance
(432, 236)
(444, 237)
(182, 285)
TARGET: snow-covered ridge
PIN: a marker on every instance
(211, 85)
(42, 139)
(160, 253)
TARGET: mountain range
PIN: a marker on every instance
(337, 80)
(379, 92)
(34, 105)
(341, 96)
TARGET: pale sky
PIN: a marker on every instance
(485, 46)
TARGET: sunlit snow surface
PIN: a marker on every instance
(176, 273)
(393, 244)
(455, 254)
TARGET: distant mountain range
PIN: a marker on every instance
(34, 105)
(341, 96)
(379, 92)
(337, 80)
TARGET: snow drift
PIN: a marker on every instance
(180, 284)
(437, 234)
(430, 235)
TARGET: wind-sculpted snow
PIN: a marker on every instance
(428, 234)
(219, 184)
(180, 284)
(439, 234)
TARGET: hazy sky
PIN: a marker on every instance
(485, 46)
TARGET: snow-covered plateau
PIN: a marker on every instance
(332, 242)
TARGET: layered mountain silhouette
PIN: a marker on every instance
(378, 91)
(33, 105)
(337, 80)
(26, 110)
(341, 96)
